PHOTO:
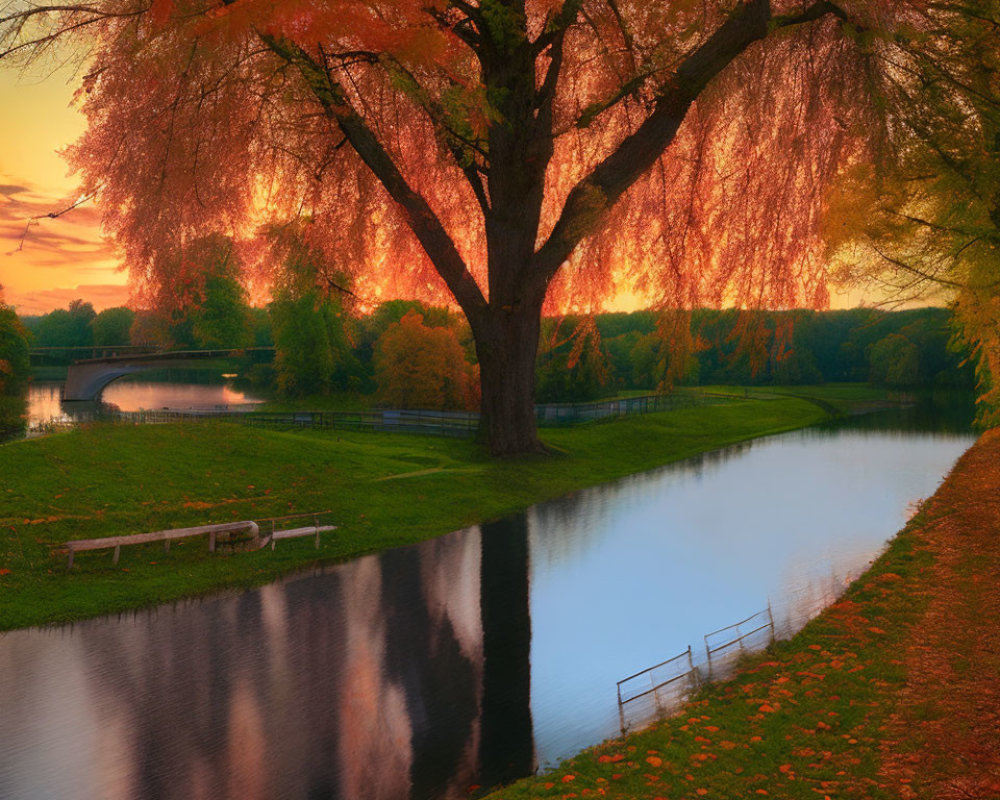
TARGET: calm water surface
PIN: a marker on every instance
(45, 405)
(469, 659)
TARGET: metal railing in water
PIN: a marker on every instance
(735, 635)
(681, 676)
(671, 673)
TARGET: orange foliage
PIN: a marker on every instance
(198, 122)
(508, 154)
(417, 366)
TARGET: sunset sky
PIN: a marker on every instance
(60, 259)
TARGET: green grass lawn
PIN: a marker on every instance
(843, 395)
(106, 479)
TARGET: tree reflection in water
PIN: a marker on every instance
(368, 680)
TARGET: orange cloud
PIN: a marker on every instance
(101, 296)
(46, 262)
(41, 259)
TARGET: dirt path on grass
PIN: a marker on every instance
(942, 741)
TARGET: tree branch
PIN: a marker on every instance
(453, 139)
(922, 275)
(50, 215)
(419, 216)
(594, 195)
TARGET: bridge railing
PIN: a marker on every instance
(64, 356)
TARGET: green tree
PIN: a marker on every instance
(67, 327)
(260, 323)
(925, 225)
(573, 368)
(221, 319)
(15, 366)
(312, 352)
(894, 362)
(112, 326)
(15, 369)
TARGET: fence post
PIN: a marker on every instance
(695, 678)
(656, 695)
(708, 653)
(621, 710)
(770, 617)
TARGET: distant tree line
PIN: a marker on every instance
(15, 369)
(410, 355)
(896, 349)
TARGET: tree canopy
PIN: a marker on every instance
(15, 369)
(927, 220)
(507, 152)
(422, 366)
(112, 326)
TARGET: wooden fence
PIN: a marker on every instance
(272, 528)
(290, 527)
(439, 423)
(167, 536)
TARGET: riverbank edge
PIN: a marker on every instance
(36, 589)
(831, 712)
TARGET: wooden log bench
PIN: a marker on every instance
(292, 533)
(166, 537)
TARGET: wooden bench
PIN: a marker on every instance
(166, 537)
(292, 533)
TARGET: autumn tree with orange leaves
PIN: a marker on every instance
(420, 366)
(514, 154)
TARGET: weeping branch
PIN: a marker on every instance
(594, 195)
(421, 219)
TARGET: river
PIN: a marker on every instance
(465, 660)
(45, 406)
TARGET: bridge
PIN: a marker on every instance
(86, 378)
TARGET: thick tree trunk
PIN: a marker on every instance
(506, 343)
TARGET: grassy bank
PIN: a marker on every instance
(384, 489)
(890, 693)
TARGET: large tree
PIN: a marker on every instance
(506, 151)
(926, 223)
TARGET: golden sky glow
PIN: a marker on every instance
(57, 260)
(50, 262)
